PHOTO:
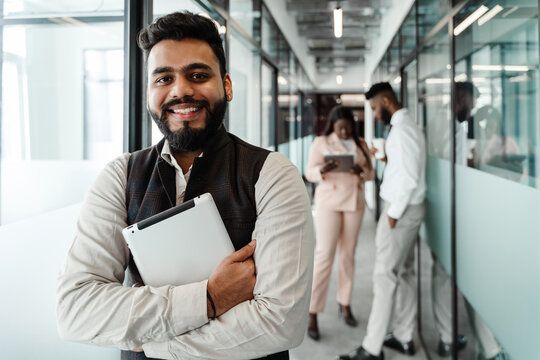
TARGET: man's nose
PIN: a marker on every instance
(180, 88)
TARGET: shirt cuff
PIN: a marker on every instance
(189, 307)
(396, 210)
(157, 350)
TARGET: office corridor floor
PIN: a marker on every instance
(336, 336)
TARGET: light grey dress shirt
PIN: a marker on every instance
(171, 321)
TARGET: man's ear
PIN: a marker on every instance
(227, 85)
(385, 101)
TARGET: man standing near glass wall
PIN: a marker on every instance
(255, 302)
(402, 190)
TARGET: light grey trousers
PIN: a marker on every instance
(394, 282)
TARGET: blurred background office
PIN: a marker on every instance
(72, 98)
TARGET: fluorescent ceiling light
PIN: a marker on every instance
(438, 81)
(510, 11)
(523, 68)
(487, 67)
(338, 22)
(469, 20)
(397, 80)
(516, 68)
(281, 80)
(479, 80)
(490, 14)
(353, 98)
(461, 77)
(339, 79)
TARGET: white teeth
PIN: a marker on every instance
(185, 111)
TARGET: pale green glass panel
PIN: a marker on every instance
(437, 224)
(498, 247)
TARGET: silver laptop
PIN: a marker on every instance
(181, 245)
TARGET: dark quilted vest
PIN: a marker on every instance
(228, 170)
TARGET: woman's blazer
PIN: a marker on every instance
(338, 191)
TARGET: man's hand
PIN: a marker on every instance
(328, 166)
(373, 150)
(392, 222)
(233, 280)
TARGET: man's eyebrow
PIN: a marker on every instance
(190, 67)
(194, 66)
(161, 70)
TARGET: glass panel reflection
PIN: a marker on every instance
(62, 112)
(269, 35)
(268, 103)
(244, 109)
(434, 114)
(498, 56)
(246, 16)
(407, 34)
(31, 8)
(430, 12)
(436, 306)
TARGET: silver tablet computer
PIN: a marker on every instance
(345, 161)
(181, 245)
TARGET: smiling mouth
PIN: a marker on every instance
(185, 111)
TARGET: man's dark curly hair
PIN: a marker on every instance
(179, 26)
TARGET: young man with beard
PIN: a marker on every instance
(402, 190)
(255, 303)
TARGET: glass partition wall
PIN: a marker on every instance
(72, 95)
(472, 82)
(62, 101)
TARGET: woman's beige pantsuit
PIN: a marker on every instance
(339, 201)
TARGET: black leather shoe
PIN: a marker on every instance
(360, 354)
(313, 328)
(346, 314)
(314, 334)
(404, 348)
(445, 349)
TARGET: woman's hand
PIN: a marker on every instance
(329, 166)
(357, 170)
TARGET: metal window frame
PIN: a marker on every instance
(137, 127)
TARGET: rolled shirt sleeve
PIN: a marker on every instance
(92, 305)
(276, 318)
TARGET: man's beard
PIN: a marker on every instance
(386, 116)
(188, 138)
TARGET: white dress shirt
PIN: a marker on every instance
(404, 175)
(171, 321)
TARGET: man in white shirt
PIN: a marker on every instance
(255, 303)
(402, 190)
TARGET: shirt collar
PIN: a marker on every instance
(166, 154)
(399, 116)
